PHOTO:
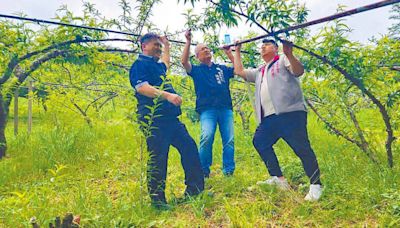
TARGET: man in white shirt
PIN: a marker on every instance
(281, 112)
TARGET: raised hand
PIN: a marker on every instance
(227, 50)
(296, 66)
(287, 48)
(238, 46)
(188, 35)
(164, 40)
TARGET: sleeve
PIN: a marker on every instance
(138, 76)
(192, 73)
(229, 72)
(251, 74)
(287, 64)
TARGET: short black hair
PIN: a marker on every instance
(147, 37)
(266, 40)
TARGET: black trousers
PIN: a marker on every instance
(291, 127)
(164, 134)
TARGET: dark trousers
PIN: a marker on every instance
(291, 127)
(164, 134)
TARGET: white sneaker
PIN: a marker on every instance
(274, 180)
(315, 192)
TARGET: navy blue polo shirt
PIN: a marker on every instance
(147, 70)
(211, 84)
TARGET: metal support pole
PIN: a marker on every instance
(16, 95)
(30, 98)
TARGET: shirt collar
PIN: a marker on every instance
(205, 65)
(276, 58)
(148, 57)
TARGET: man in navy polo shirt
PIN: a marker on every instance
(213, 103)
(147, 76)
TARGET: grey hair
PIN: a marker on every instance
(197, 48)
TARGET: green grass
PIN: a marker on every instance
(67, 166)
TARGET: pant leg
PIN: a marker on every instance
(184, 143)
(158, 147)
(208, 121)
(265, 137)
(295, 134)
(225, 122)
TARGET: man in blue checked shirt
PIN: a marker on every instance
(146, 77)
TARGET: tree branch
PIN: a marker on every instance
(357, 82)
(330, 126)
(118, 50)
(10, 68)
(243, 15)
(67, 43)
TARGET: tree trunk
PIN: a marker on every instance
(358, 83)
(243, 117)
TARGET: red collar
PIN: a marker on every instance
(276, 58)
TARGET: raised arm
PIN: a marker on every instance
(186, 52)
(237, 63)
(165, 55)
(296, 66)
(229, 54)
(152, 92)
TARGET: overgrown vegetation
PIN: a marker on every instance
(85, 152)
(68, 166)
